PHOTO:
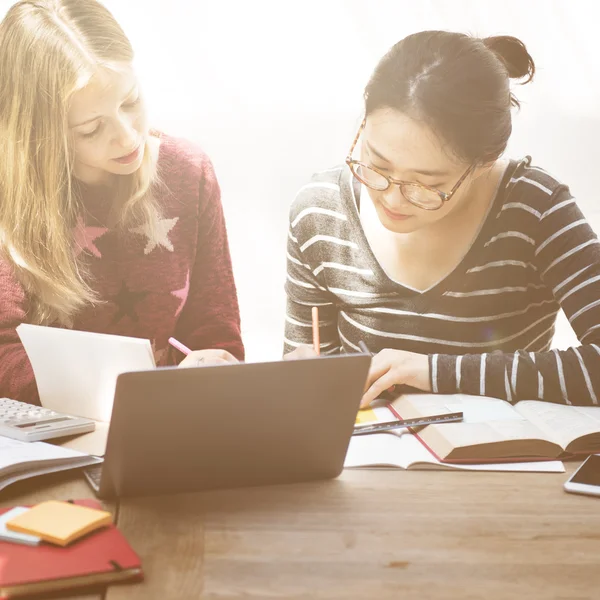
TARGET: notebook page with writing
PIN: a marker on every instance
(76, 371)
(565, 424)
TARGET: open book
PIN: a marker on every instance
(403, 450)
(20, 460)
(494, 430)
(76, 371)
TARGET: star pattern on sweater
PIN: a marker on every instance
(85, 238)
(157, 235)
(182, 294)
(126, 301)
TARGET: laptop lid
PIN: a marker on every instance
(178, 430)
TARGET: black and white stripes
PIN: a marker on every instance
(488, 326)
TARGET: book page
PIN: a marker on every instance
(35, 471)
(386, 450)
(491, 427)
(562, 423)
(15, 452)
(76, 371)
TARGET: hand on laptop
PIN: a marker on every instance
(203, 358)
(304, 351)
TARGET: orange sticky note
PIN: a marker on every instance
(59, 523)
(365, 416)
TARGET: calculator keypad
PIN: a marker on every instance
(13, 412)
(28, 423)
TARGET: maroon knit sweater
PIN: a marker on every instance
(178, 282)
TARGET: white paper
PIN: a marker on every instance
(76, 371)
(404, 449)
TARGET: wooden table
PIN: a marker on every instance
(367, 535)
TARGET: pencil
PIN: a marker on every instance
(183, 349)
(364, 348)
(315, 330)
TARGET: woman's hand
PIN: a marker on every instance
(393, 367)
(304, 351)
(204, 358)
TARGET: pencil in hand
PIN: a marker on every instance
(315, 330)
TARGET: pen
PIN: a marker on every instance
(315, 330)
(417, 422)
(183, 349)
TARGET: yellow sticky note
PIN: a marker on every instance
(59, 523)
(365, 416)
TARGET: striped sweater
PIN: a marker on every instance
(488, 326)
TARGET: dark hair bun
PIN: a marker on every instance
(513, 53)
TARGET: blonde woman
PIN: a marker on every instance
(105, 225)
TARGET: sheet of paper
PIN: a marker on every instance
(76, 371)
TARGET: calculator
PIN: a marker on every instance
(31, 423)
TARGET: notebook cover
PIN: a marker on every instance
(103, 551)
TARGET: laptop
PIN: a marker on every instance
(182, 430)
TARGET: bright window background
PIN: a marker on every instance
(271, 89)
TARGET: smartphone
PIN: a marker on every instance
(586, 480)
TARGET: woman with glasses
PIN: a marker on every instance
(448, 260)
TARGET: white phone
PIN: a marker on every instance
(586, 480)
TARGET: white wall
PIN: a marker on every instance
(272, 90)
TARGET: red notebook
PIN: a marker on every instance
(99, 559)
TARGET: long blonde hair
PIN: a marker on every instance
(49, 49)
